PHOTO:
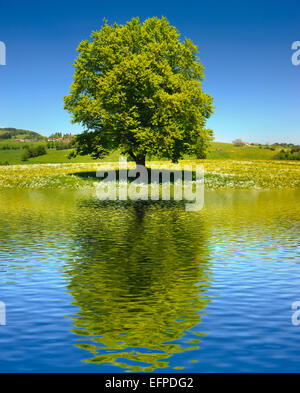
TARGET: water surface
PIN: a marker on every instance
(94, 286)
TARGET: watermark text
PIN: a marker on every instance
(296, 54)
(2, 314)
(160, 182)
(2, 54)
(296, 314)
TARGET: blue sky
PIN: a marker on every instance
(244, 45)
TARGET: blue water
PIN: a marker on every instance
(107, 287)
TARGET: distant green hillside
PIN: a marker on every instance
(221, 151)
(11, 152)
(16, 133)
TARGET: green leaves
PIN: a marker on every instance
(138, 87)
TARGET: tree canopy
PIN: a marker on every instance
(137, 87)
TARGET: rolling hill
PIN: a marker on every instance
(16, 133)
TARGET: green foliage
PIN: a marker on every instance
(33, 151)
(137, 88)
(59, 141)
(60, 145)
(293, 154)
(71, 155)
(56, 135)
(5, 135)
(25, 155)
(203, 145)
(12, 146)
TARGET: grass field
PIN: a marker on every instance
(218, 151)
(219, 174)
(223, 151)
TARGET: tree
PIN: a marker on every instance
(33, 151)
(137, 87)
(202, 146)
(56, 135)
(238, 142)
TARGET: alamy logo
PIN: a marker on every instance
(296, 314)
(296, 55)
(162, 182)
(2, 53)
(2, 314)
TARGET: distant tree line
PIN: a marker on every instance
(60, 141)
(286, 145)
(13, 146)
(33, 151)
(292, 154)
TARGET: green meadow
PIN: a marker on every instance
(226, 167)
(218, 151)
(219, 174)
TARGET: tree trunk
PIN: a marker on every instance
(140, 160)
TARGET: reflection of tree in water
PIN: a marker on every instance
(139, 276)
